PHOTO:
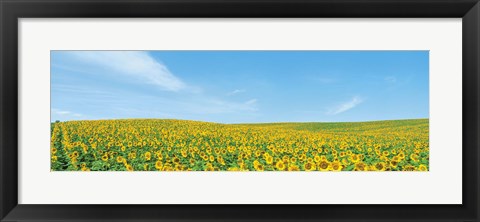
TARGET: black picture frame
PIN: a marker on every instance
(12, 10)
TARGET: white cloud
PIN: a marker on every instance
(251, 102)
(136, 64)
(323, 80)
(64, 113)
(356, 100)
(237, 91)
(391, 79)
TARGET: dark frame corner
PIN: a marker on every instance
(12, 10)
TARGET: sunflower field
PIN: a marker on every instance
(182, 145)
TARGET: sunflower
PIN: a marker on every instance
(176, 160)
(414, 157)
(393, 164)
(408, 168)
(309, 166)
(360, 166)
(269, 159)
(293, 167)
(309, 159)
(105, 157)
(422, 167)
(336, 166)
(354, 158)
(167, 167)
(380, 166)
(259, 167)
(293, 160)
(334, 152)
(302, 157)
(148, 156)
(119, 159)
(159, 165)
(280, 165)
(396, 159)
(129, 167)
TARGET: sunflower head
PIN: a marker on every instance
(393, 164)
(269, 159)
(293, 167)
(317, 158)
(422, 167)
(336, 166)
(360, 166)
(119, 159)
(148, 156)
(380, 166)
(280, 165)
(159, 165)
(105, 157)
(354, 158)
(408, 168)
(309, 166)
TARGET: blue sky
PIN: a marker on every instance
(240, 86)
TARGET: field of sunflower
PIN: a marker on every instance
(180, 145)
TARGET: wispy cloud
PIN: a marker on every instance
(64, 113)
(84, 91)
(136, 64)
(323, 80)
(355, 101)
(237, 91)
(251, 102)
(391, 79)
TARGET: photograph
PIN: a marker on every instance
(239, 110)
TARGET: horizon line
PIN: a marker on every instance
(363, 121)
